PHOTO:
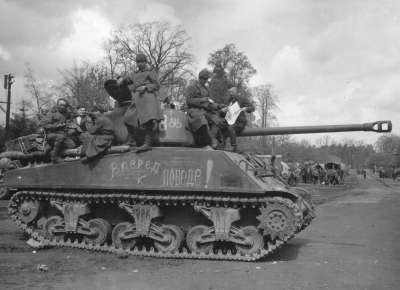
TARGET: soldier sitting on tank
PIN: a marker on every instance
(82, 122)
(240, 123)
(203, 112)
(101, 135)
(123, 100)
(56, 126)
(145, 111)
(82, 119)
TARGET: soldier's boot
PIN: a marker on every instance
(147, 143)
(214, 142)
(233, 142)
(131, 142)
(132, 134)
(234, 147)
(222, 143)
(232, 136)
(213, 132)
(56, 152)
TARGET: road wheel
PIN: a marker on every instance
(100, 229)
(254, 241)
(196, 239)
(172, 237)
(54, 228)
(120, 235)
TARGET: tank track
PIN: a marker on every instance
(163, 200)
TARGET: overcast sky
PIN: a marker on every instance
(330, 62)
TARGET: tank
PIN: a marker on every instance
(175, 201)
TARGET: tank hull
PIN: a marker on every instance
(161, 169)
(167, 203)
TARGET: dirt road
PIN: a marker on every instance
(352, 244)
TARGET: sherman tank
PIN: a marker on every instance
(175, 201)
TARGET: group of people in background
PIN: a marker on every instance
(139, 109)
(329, 174)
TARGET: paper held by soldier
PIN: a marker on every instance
(233, 113)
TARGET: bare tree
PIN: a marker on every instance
(42, 93)
(83, 85)
(112, 59)
(265, 100)
(166, 47)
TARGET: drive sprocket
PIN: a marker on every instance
(279, 219)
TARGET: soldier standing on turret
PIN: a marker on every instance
(203, 112)
(145, 107)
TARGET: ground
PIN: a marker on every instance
(352, 244)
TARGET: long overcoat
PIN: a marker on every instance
(101, 136)
(200, 110)
(145, 103)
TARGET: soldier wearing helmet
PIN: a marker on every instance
(144, 113)
(203, 112)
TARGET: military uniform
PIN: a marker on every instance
(232, 131)
(197, 103)
(144, 112)
(203, 114)
(241, 120)
(147, 105)
(101, 136)
(55, 126)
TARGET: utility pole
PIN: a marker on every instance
(8, 81)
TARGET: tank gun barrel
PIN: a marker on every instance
(378, 126)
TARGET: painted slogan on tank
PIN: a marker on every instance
(175, 173)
